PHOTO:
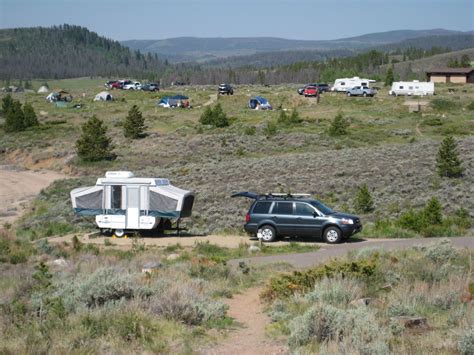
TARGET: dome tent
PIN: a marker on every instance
(43, 90)
(259, 103)
(103, 96)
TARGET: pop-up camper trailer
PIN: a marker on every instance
(259, 103)
(122, 202)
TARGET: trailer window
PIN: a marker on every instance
(342, 83)
(401, 87)
(363, 84)
(116, 196)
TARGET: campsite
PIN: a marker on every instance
(120, 162)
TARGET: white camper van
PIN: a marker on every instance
(412, 88)
(122, 202)
(344, 84)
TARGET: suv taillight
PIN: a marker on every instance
(247, 217)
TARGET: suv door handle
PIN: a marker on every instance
(274, 217)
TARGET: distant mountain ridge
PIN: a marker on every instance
(184, 49)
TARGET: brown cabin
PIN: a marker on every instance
(451, 75)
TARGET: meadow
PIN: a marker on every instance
(386, 147)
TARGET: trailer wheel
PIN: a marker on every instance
(119, 233)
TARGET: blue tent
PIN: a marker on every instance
(174, 101)
(259, 103)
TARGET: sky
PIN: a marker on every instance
(293, 19)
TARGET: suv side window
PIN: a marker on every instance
(283, 208)
(303, 209)
(262, 207)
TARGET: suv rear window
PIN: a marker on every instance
(283, 208)
(262, 207)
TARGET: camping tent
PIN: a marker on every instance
(259, 103)
(103, 96)
(42, 90)
(59, 96)
(174, 101)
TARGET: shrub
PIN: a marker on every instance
(185, 302)
(336, 291)
(432, 213)
(15, 119)
(466, 343)
(30, 118)
(93, 144)
(447, 160)
(285, 285)
(339, 125)
(441, 252)
(7, 103)
(470, 107)
(270, 129)
(363, 201)
(134, 124)
(250, 130)
(214, 117)
(442, 104)
(102, 286)
(291, 120)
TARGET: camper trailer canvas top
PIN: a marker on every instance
(345, 84)
(122, 201)
(414, 87)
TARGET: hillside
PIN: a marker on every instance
(67, 51)
(417, 68)
(184, 49)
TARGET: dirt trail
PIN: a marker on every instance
(18, 187)
(250, 339)
(212, 99)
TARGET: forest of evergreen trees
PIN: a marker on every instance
(71, 51)
(66, 52)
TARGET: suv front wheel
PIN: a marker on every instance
(332, 235)
(267, 233)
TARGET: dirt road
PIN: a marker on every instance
(250, 338)
(18, 187)
(305, 260)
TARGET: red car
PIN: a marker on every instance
(310, 91)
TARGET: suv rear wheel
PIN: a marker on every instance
(332, 235)
(267, 233)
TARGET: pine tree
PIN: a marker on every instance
(93, 144)
(389, 77)
(29, 116)
(432, 213)
(15, 121)
(7, 102)
(134, 124)
(448, 162)
(363, 201)
(214, 116)
(339, 125)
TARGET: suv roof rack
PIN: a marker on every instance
(287, 195)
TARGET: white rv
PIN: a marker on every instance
(412, 88)
(344, 84)
(122, 202)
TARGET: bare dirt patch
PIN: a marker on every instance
(250, 338)
(18, 187)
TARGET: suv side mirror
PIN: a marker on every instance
(315, 214)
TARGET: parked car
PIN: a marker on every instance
(134, 85)
(310, 91)
(109, 83)
(322, 87)
(225, 89)
(277, 215)
(116, 85)
(150, 87)
(360, 91)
